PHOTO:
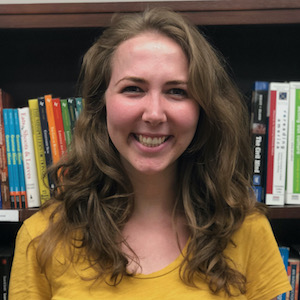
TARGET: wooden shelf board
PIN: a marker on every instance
(218, 12)
(284, 212)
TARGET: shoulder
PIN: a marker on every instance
(255, 223)
(254, 235)
(38, 223)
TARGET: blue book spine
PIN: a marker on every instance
(11, 124)
(259, 137)
(20, 159)
(78, 106)
(9, 158)
(284, 252)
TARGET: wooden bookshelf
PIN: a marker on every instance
(43, 45)
(217, 12)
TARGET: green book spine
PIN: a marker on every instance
(67, 122)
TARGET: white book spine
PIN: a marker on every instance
(293, 154)
(31, 179)
(276, 192)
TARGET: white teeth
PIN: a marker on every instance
(151, 142)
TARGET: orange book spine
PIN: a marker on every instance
(59, 126)
(52, 129)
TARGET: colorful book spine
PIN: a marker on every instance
(17, 189)
(294, 264)
(46, 135)
(39, 150)
(79, 106)
(5, 102)
(285, 253)
(20, 164)
(66, 122)
(59, 126)
(278, 106)
(258, 128)
(72, 111)
(11, 175)
(30, 169)
(52, 129)
(293, 152)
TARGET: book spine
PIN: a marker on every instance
(9, 158)
(59, 126)
(284, 252)
(277, 145)
(46, 135)
(294, 264)
(30, 169)
(79, 106)
(20, 164)
(4, 178)
(72, 111)
(5, 268)
(39, 150)
(66, 122)
(293, 153)
(258, 128)
(52, 129)
(17, 191)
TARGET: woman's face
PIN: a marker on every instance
(150, 118)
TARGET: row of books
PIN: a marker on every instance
(292, 266)
(31, 139)
(275, 125)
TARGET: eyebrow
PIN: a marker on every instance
(141, 80)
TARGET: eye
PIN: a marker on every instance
(132, 90)
(178, 92)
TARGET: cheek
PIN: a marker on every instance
(119, 117)
(189, 118)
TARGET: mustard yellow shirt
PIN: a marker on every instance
(256, 255)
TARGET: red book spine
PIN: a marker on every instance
(59, 126)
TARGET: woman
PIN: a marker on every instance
(154, 201)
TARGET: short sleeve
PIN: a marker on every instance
(26, 280)
(265, 271)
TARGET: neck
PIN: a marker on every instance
(154, 195)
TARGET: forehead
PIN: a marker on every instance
(148, 41)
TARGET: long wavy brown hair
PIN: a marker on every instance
(93, 194)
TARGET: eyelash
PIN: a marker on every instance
(175, 92)
(132, 89)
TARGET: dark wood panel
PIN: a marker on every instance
(218, 12)
(208, 5)
(285, 212)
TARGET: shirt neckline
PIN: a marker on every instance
(166, 270)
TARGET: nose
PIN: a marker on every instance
(154, 110)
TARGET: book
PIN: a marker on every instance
(277, 110)
(59, 126)
(6, 255)
(46, 135)
(258, 131)
(39, 150)
(79, 106)
(66, 121)
(16, 171)
(29, 162)
(6, 101)
(72, 111)
(52, 129)
(293, 151)
(294, 265)
(22, 185)
(285, 253)
(11, 175)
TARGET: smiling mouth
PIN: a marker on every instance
(149, 141)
